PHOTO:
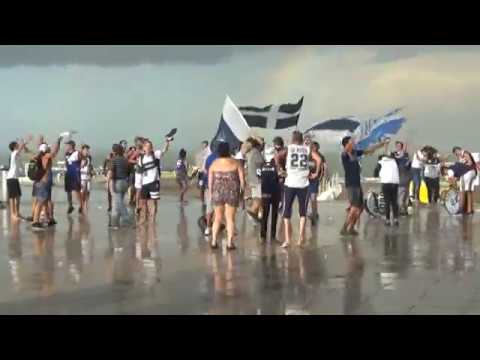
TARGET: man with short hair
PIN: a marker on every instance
(353, 186)
(43, 187)
(404, 164)
(314, 183)
(200, 164)
(279, 146)
(208, 199)
(298, 177)
(13, 185)
(73, 181)
(132, 156)
(147, 179)
(254, 164)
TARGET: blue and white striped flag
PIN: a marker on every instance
(373, 131)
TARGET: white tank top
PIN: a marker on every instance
(297, 166)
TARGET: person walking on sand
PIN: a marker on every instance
(353, 186)
(225, 181)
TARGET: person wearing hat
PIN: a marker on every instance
(270, 194)
(43, 187)
(73, 181)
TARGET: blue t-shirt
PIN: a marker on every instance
(210, 159)
(352, 168)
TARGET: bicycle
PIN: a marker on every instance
(450, 198)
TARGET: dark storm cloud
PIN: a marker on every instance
(120, 55)
(389, 53)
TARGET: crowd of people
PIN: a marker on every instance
(263, 179)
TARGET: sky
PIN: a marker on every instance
(108, 93)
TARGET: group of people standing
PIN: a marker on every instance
(396, 171)
(270, 177)
(79, 170)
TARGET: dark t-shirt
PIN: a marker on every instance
(120, 168)
(352, 168)
(269, 178)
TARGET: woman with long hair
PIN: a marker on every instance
(226, 182)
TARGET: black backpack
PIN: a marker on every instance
(141, 169)
(35, 169)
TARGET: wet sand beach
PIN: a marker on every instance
(429, 265)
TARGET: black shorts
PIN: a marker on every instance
(355, 196)
(13, 188)
(72, 183)
(150, 191)
(289, 195)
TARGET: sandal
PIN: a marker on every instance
(214, 246)
(285, 245)
(231, 247)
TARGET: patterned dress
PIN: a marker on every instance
(226, 188)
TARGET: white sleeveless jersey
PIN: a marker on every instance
(297, 166)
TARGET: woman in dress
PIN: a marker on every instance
(226, 181)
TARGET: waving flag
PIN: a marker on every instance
(273, 116)
(232, 128)
(332, 131)
(373, 131)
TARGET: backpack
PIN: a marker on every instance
(141, 169)
(35, 169)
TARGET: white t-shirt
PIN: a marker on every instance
(151, 175)
(85, 170)
(297, 166)
(417, 161)
(432, 171)
(201, 157)
(72, 157)
(14, 171)
(389, 171)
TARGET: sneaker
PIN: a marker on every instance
(344, 231)
(29, 218)
(207, 232)
(387, 223)
(396, 223)
(70, 210)
(51, 223)
(37, 226)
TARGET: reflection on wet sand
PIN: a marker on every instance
(182, 231)
(15, 255)
(353, 279)
(66, 266)
(44, 262)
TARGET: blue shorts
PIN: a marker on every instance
(43, 191)
(289, 196)
(314, 186)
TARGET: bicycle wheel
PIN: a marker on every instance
(371, 204)
(452, 202)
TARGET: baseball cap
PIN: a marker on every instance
(43, 148)
(70, 142)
